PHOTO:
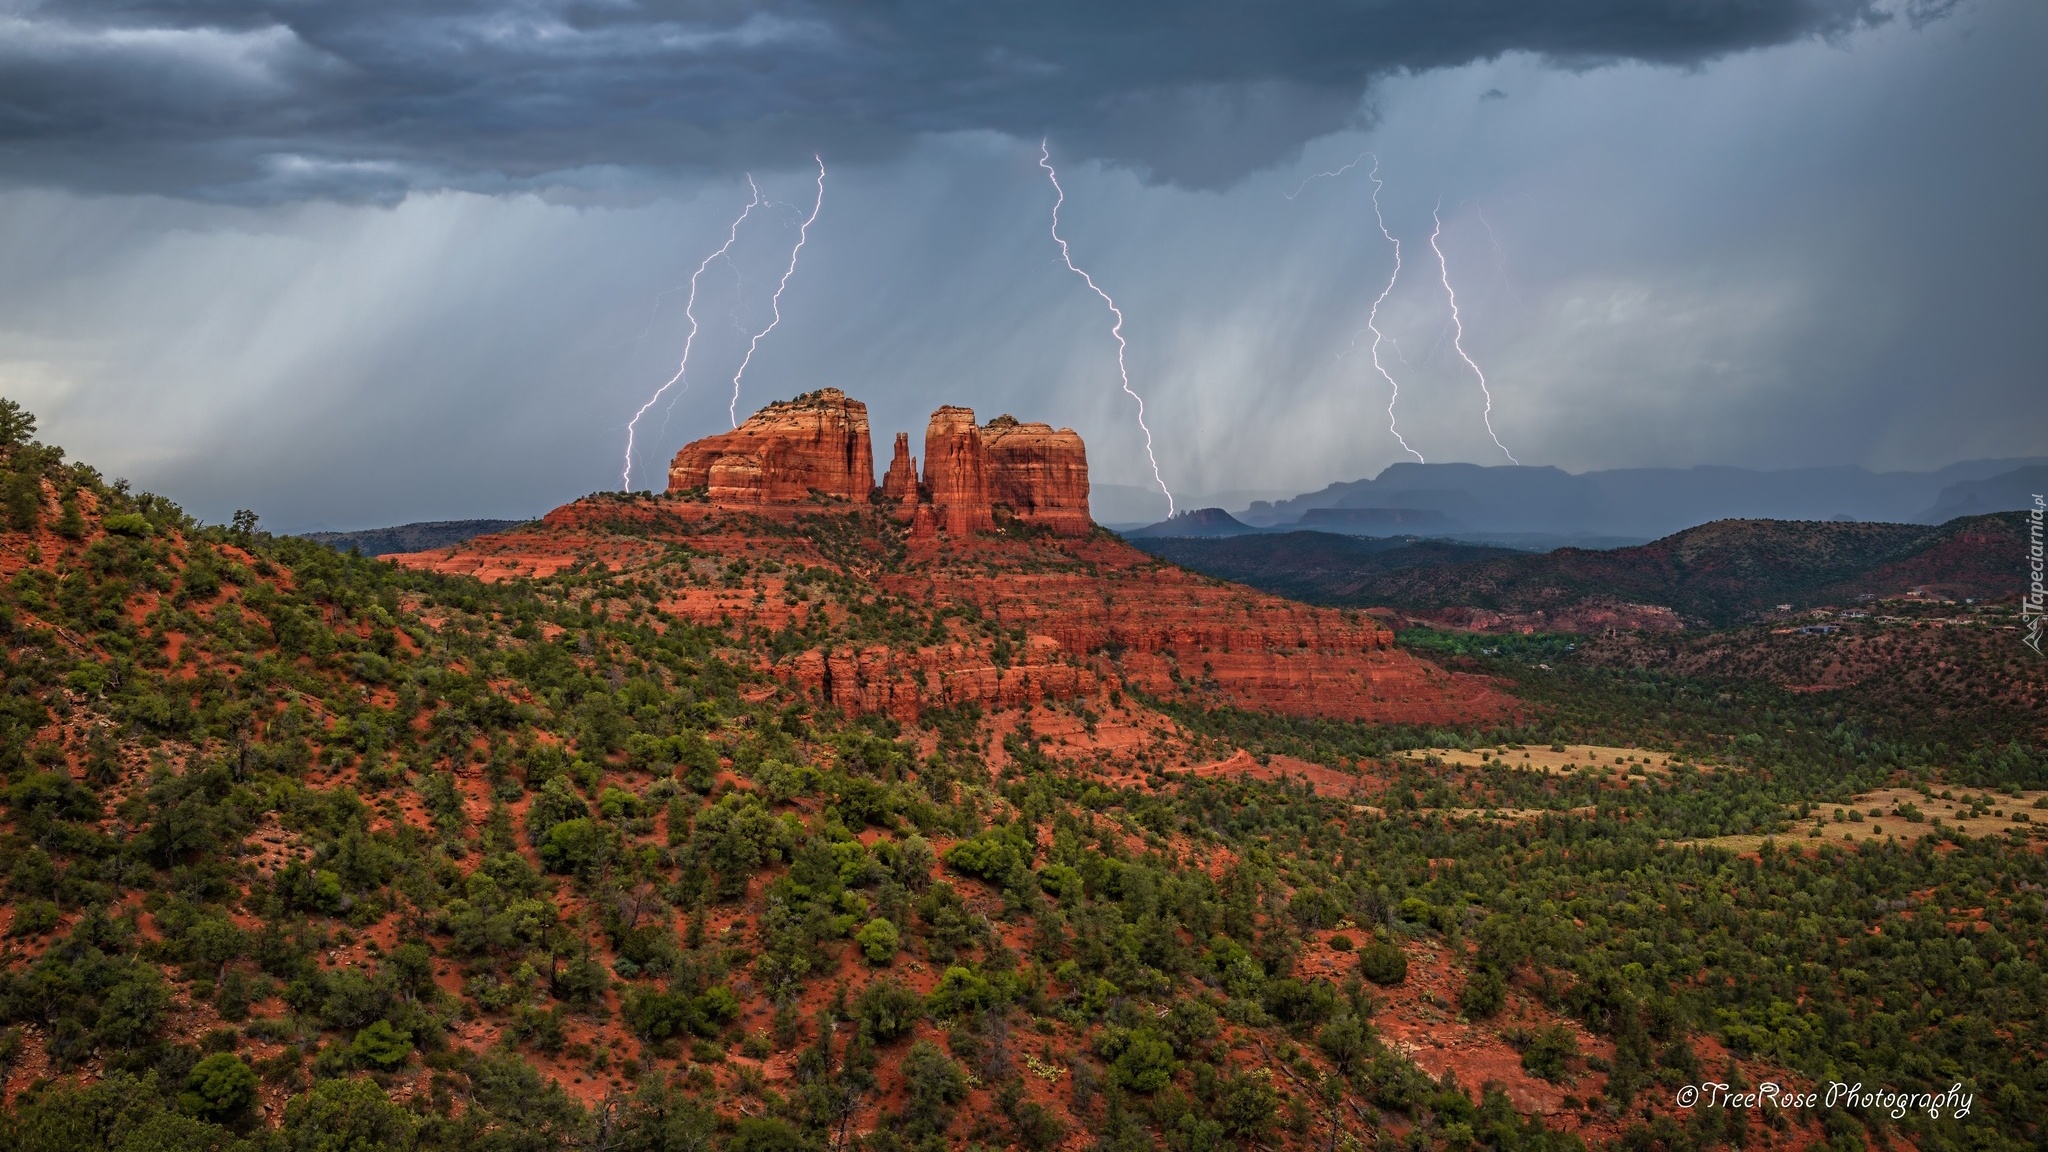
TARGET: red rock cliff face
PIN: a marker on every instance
(956, 472)
(784, 454)
(1040, 473)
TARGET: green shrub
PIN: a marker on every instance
(933, 1084)
(1484, 992)
(1140, 1061)
(888, 1010)
(579, 847)
(998, 855)
(765, 1134)
(346, 1116)
(1383, 963)
(1299, 1001)
(1245, 1106)
(219, 1087)
(877, 940)
(618, 804)
(381, 1046)
(961, 990)
(1345, 1041)
(33, 918)
(1551, 1053)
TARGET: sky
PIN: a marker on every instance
(359, 264)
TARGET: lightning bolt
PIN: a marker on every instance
(1458, 334)
(1116, 329)
(1372, 317)
(689, 310)
(1325, 175)
(739, 282)
(803, 233)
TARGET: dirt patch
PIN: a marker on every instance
(1904, 814)
(1553, 760)
(1242, 764)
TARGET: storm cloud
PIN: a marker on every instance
(254, 101)
(361, 264)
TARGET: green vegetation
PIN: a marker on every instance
(345, 813)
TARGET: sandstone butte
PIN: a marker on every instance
(815, 446)
(1033, 602)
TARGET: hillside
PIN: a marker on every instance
(309, 851)
(1316, 567)
(409, 537)
(1714, 575)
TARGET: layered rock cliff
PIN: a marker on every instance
(956, 472)
(790, 452)
(816, 445)
(1041, 474)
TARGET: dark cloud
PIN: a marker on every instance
(367, 98)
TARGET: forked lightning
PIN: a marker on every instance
(803, 233)
(1116, 329)
(690, 310)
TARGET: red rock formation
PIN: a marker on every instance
(899, 486)
(956, 472)
(1041, 474)
(1074, 615)
(787, 453)
(1094, 613)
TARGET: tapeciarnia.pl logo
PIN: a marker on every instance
(2035, 603)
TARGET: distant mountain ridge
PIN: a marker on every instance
(1317, 567)
(1716, 574)
(417, 537)
(1647, 503)
(2002, 493)
(1209, 522)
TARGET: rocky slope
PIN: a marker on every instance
(416, 537)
